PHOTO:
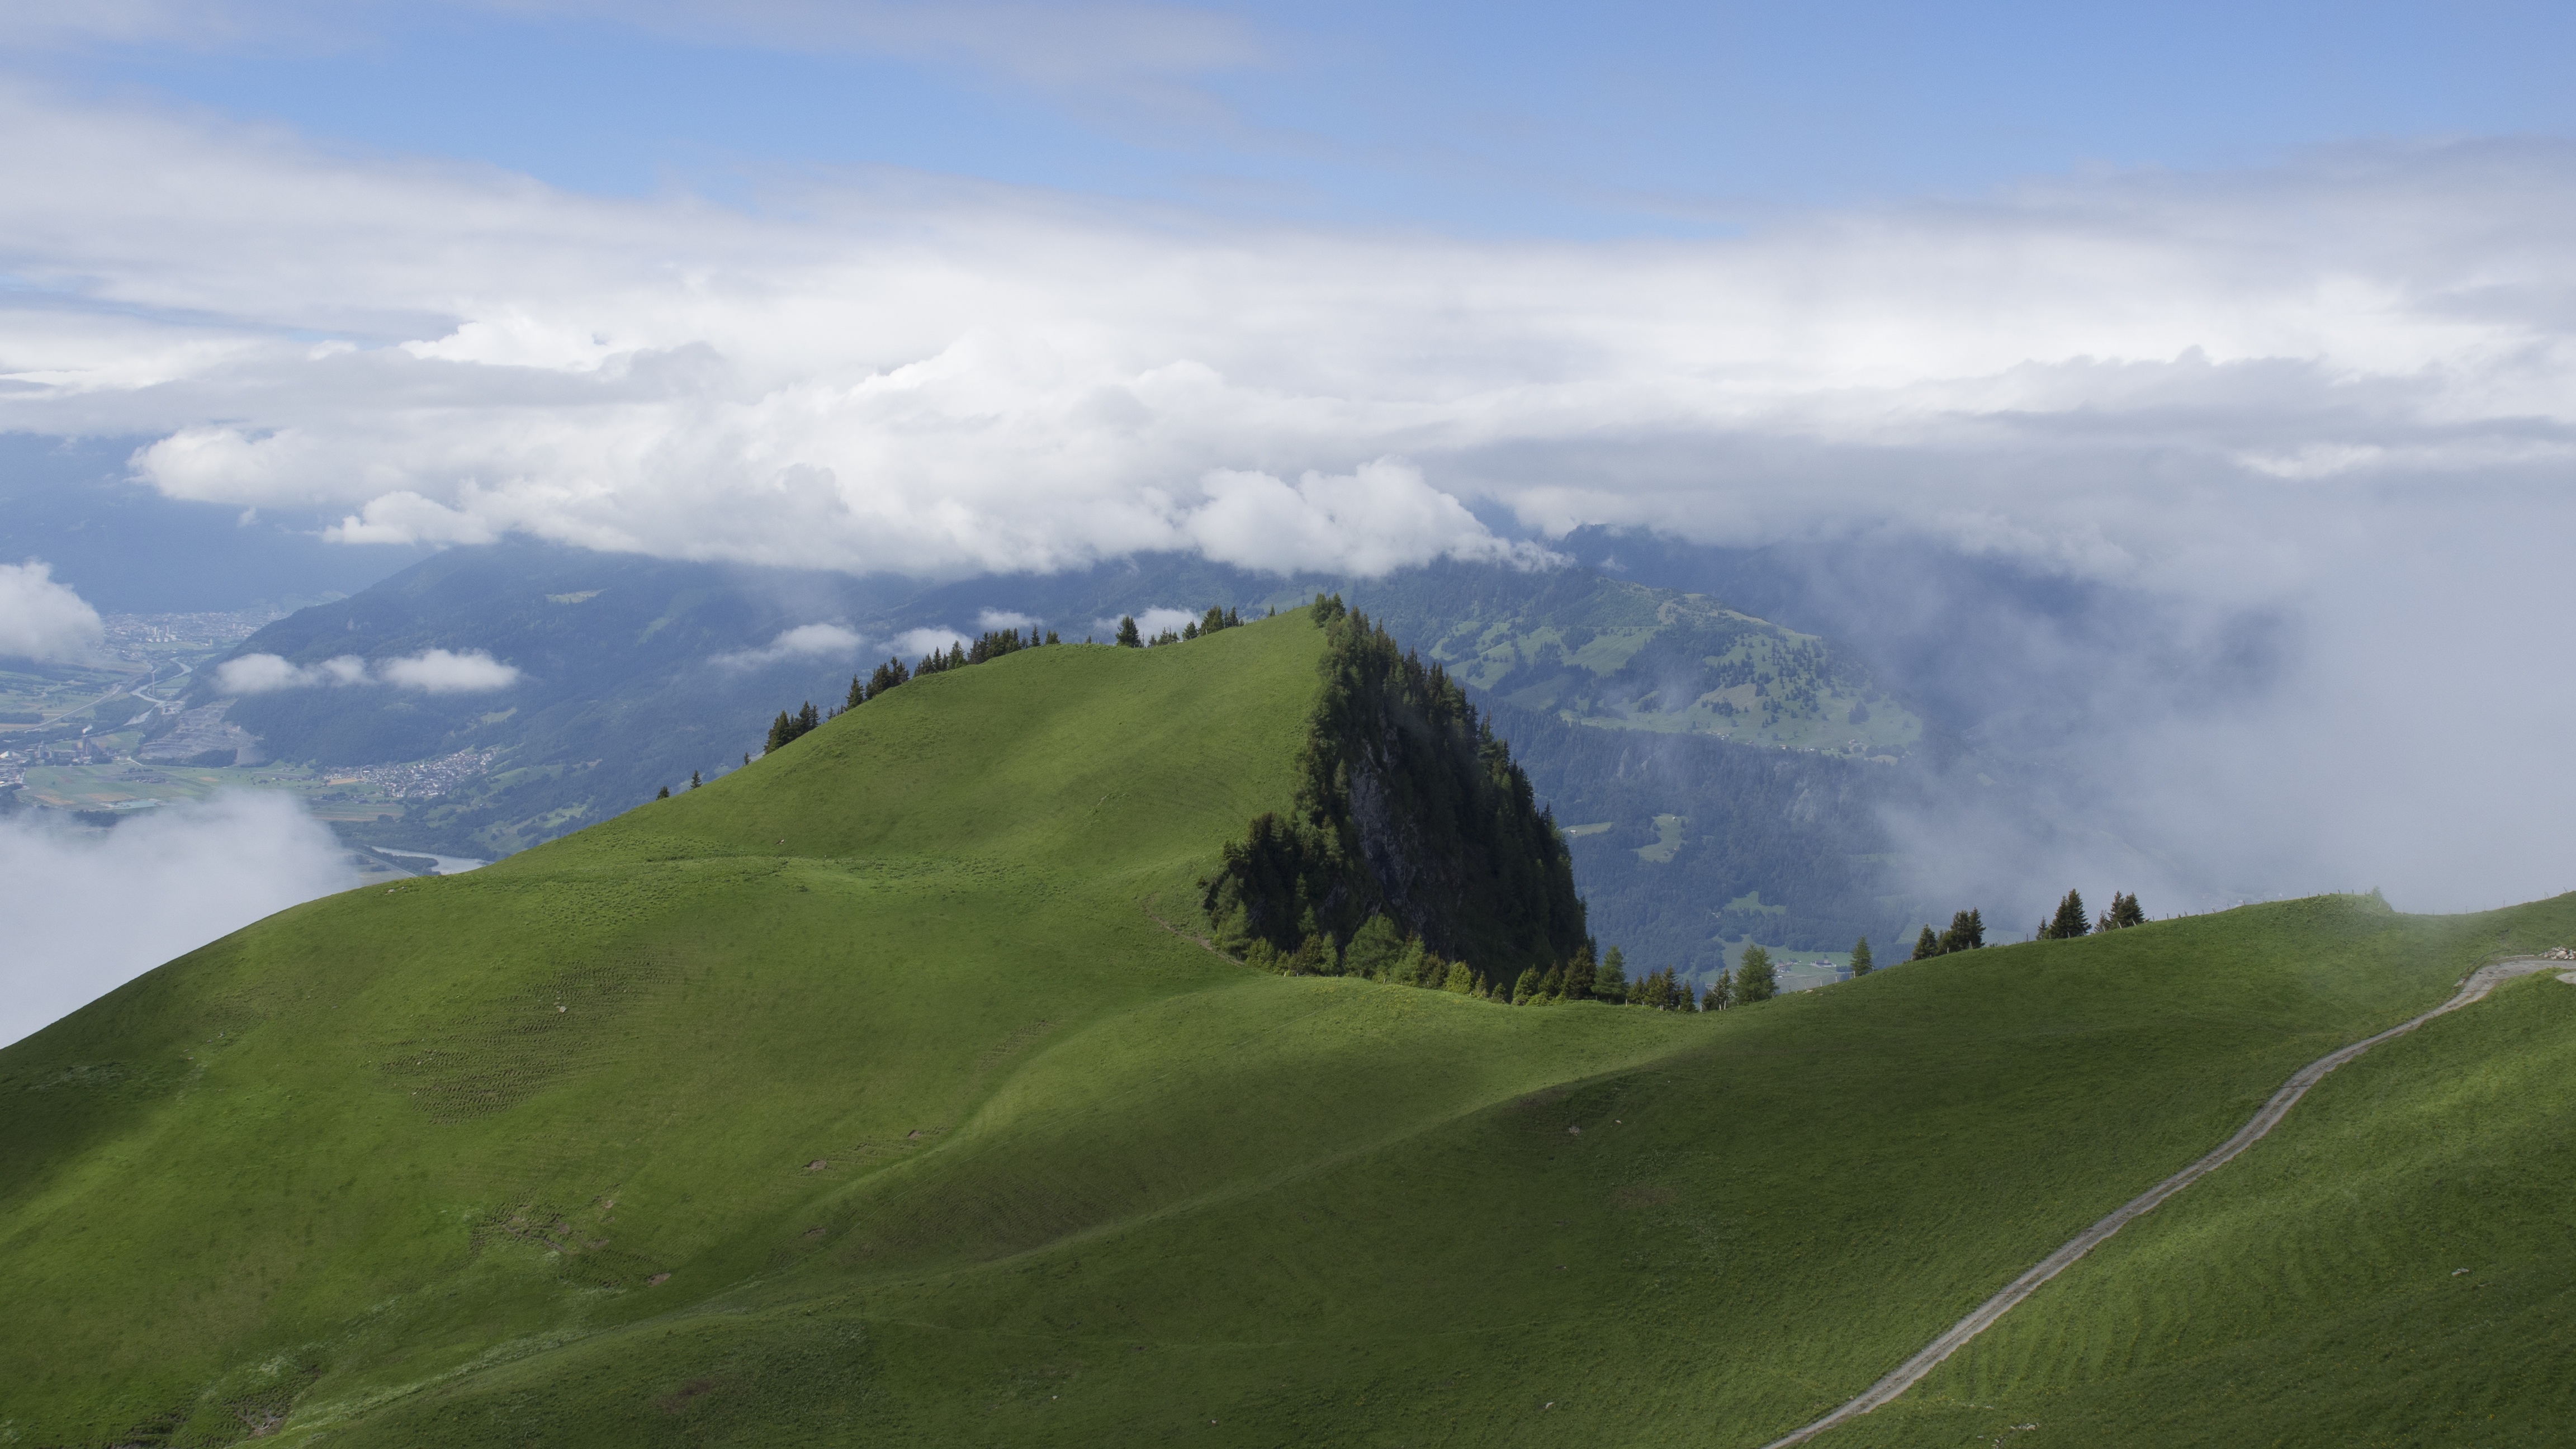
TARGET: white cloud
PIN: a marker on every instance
(434, 671)
(263, 673)
(805, 641)
(88, 911)
(43, 620)
(2239, 390)
(950, 383)
(1149, 622)
(1380, 518)
(437, 671)
(1003, 619)
(914, 643)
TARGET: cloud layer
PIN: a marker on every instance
(43, 620)
(433, 671)
(805, 641)
(89, 910)
(896, 376)
(2340, 393)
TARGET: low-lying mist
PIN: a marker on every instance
(2385, 706)
(89, 910)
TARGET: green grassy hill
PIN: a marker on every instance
(866, 1097)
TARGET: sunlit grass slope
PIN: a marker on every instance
(860, 1099)
(2396, 1265)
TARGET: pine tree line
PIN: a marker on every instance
(1967, 933)
(1217, 617)
(789, 728)
(1967, 929)
(2069, 921)
(1382, 952)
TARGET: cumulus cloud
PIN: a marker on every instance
(1003, 619)
(914, 643)
(1369, 522)
(1149, 622)
(438, 671)
(2238, 391)
(264, 673)
(952, 382)
(433, 671)
(43, 620)
(805, 641)
(90, 910)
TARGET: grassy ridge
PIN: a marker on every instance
(2312, 1292)
(879, 1109)
(1748, 1229)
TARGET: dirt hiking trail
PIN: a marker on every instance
(2475, 988)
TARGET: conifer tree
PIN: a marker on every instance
(1526, 988)
(2069, 922)
(1190, 630)
(1721, 993)
(694, 782)
(1580, 973)
(1551, 987)
(2125, 912)
(1926, 946)
(1860, 962)
(662, 794)
(1755, 978)
(780, 732)
(1612, 983)
(1967, 933)
(1374, 948)
(1127, 634)
(1462, 979)
(1313, 957)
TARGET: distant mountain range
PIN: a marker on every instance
(1727, 733)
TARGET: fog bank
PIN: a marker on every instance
(88, 910)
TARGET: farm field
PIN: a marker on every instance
(123, 785)
(880, 1093)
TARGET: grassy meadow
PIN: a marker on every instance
(878, 1094)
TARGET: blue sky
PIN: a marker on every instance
(1486, 120)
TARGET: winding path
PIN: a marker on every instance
(2479, 983)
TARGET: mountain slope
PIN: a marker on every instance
(1612, 654)
(862, 1098)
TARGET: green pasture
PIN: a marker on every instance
(123, 784)
(879, 1094)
